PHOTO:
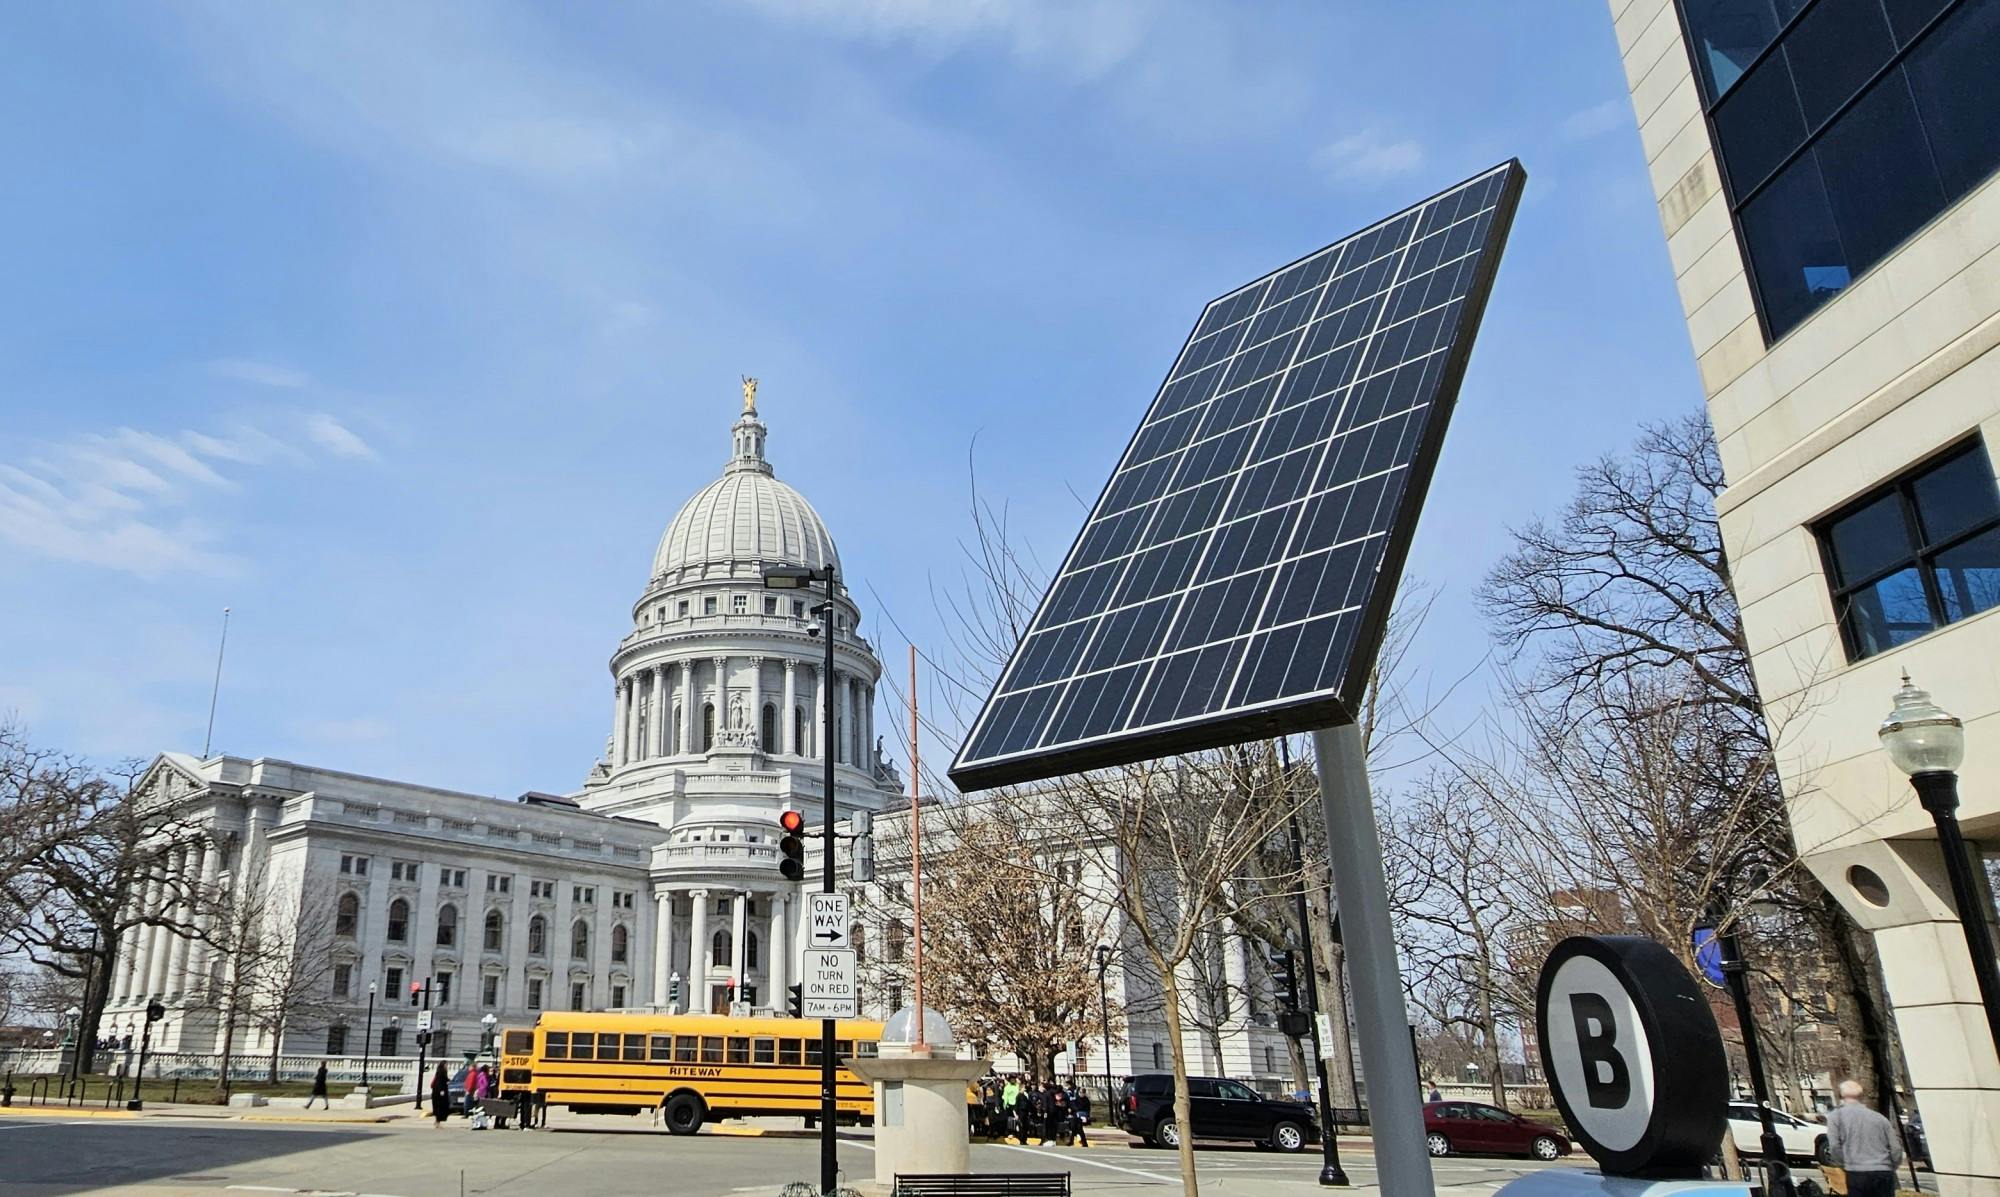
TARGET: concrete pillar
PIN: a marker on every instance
(663, 711)
(778, 951)
(159, 953)
(756, 709)
(787, 721)
(635, 749)
(848, 708)
(721, 695)
(663, 945)
(188, 866)
(619, 690)
(686, 697)
(739, 937)
(697, 978)
(211, 867)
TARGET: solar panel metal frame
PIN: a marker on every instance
(1323, 708)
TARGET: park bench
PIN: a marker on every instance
(993, 1184)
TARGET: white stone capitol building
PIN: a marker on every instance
(662, 868)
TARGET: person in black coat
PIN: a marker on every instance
(319, 1089)
(440, 1097)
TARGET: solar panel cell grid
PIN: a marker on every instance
(1230, 568)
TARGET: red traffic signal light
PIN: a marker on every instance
(792, 846)
(416, 992)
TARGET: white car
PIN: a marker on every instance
(1804, 1141)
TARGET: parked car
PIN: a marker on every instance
(1222, 1109)
(1468, 1127)
(1805, 1142)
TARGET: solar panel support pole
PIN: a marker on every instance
(1354, 850)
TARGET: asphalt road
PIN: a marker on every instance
(45, 1157)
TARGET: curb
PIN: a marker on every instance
(369, 1120)
(61, 1112)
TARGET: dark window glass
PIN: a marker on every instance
(556, 1045)
(1955, 496)
(764, 1051)
(1879, 177)
(711, 1049)
(583, 1045)
(1951, 74)
(788, 1051)
(687, 1049)
(607, 1047)
(1759, 124)
(1794, 246)
(1729, 34)
(1837, 46)
(1908, 17)
(1869, 541)
(1968, 576)
(662, 1047)
(1924, 553)
(635, 1047)
(739, 1050)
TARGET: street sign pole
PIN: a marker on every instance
(1354, 849)
(829, 1163)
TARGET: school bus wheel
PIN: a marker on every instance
(683, 1113)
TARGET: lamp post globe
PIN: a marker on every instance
(486, 1025)
(1927, 742)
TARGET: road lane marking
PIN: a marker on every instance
(1077, 1159)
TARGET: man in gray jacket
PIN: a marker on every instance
(1863, 1143)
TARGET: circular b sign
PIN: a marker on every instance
(1632, 1052)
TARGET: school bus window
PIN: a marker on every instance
(520, 1043)
(635, 1047)
(843, 1048)
(788, 1051)
(581, 1044)
(812, 1052)
(687, 1049)
(663, 1048)
(607, 1047)
(711, 1049)
(865, 1047)
(739, 1050)
(556, 1045)
(765, 1051)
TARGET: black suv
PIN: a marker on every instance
(1222, 1109)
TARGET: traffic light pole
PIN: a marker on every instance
(1330, 1171)
(829, 1164)
(423, 1040)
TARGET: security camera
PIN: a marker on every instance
(812, 629)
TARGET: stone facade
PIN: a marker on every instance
(1897, 367)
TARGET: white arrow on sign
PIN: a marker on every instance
(826, 921)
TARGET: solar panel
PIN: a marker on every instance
(1235, 576)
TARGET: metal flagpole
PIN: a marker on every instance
(1354, 849)
(920, 1048)
(216, 689)
(829, 1161)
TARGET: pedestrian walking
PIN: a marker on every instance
(440, 1097)
(1435, 1095)
(1863, 1143)
(1079, 1113)
(1055, 1115)
(1010, 1105)
(319, 1089)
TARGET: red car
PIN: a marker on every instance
(1467, 1127)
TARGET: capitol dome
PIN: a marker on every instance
(745, 517)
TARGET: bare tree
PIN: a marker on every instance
(294, 974)
(90, 857)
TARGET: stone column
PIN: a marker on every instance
(721, 695)
(787, 721)
(849, 708)
(868, 728)
(161, 955)
(663, 946)
(778, 950)
(211, 866)
(619, 690)
(757, 702)
(129, 948)
(634, 748)
(663, 711)
(697, 978)
(189, 865)
(739, 939)
(686, 697)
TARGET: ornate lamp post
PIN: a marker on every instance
(367, 1033)
(486, 1025)
(1111, 1112)
(1928, 743)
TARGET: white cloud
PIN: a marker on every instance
(263, 374)
(129, 500)
(1597, 120)
(1083, 38)
(333, 436)
(1367, 158)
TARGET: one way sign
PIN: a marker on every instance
(826, 921)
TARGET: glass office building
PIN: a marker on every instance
(1825, 174)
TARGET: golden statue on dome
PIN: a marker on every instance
(749, 395)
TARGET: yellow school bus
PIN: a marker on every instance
(693, 1068)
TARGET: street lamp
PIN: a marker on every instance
(486, 1025)
(1111, 1111)
(795, 577)
(1928, 743)
(367, 1033)
(1735, 973)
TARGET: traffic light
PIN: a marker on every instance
(1283, 979)
(792, 846)
(416, 993)
(729, 992)
(674, 990)
(749, 994)
(863, 869)
(795, 1001)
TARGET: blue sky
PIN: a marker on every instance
(403, 330)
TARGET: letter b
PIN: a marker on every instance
(1606, 1078)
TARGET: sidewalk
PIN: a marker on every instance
(162, 1109)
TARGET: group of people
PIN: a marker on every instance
(1016, 1107)
(479, 1085)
